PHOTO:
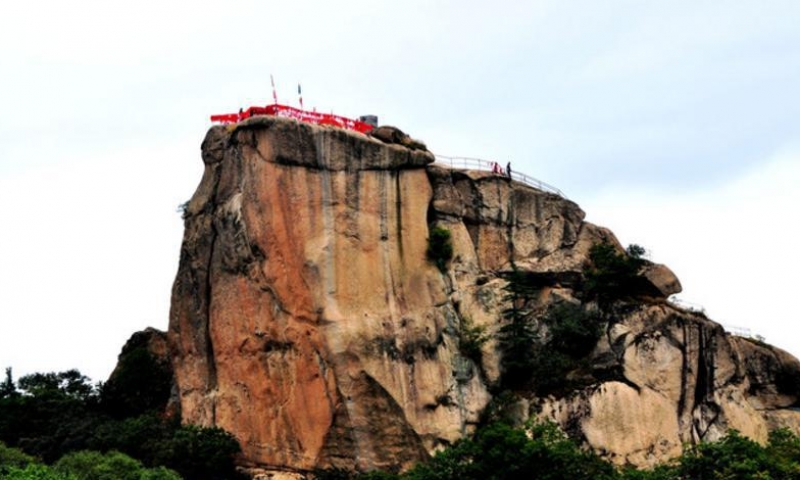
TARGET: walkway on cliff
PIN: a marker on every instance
(468, 163)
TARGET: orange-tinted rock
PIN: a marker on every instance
(307, 321)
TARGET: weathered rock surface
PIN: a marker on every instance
(307, 321)
(305, 318)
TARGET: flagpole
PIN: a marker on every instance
(300, 94)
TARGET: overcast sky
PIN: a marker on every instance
(674, 123)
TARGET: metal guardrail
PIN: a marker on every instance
(731, 329)
(469, 163)
(743, 332)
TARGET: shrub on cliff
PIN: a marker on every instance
(610, 275)
(518, 336)
(572, 333)
(471, 339)
(440, 247)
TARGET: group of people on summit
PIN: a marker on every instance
(497, 169)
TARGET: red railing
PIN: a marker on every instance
(295, 113)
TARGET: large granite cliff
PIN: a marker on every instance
(307, 320)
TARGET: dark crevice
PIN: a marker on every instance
(684, 373)
(209, 347)
(399, 213)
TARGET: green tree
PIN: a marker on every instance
(440, 247)
(140, 384)
(471, 339)
(53, 414)
(518, 335)
(36, 471)
(89, 465)
(612, 275)
(501, 452)
(783, 450)
(202, 453)
(734, 457)
(13, 458)
(8, 388)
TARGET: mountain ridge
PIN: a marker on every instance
(307, 320)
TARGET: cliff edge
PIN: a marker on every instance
(308, 321)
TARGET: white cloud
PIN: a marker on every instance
(104, 106)
(733, 246)
(89, 250)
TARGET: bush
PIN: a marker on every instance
(51, 414)
(13, 457)
(140, 384)
(612, 276)
(572, 334)
(471, 339)
(202, 453)
(518, 337)
(440, 247)
(543, 363)
(500, 452)
(37, 471)
(88, 465)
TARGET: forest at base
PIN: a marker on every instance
(58, 426)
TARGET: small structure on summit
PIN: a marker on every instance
(364, 124)
(286, 111)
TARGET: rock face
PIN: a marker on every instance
(305, 317)
(307, 320)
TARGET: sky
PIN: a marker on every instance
(676, 124)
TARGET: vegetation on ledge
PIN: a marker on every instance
(541, 451)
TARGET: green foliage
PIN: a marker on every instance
(543, 362)
(58, 413)
(499, 452)
(378, 475)
(518, 336)
(52, 414)
(140, 384)
(471, 339)
(635, 251)
(13, 458)
(68, 385)
(612, 276)
(8, 388)
(572, 330)
(195, 452)
(440, 247)
(160, 473)
(734, 456)
(783, 451)
(541, 451)
(36, 471)
(202, 453)
(572, 335)
(661, 472)
(88, 465)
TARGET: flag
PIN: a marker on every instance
(300, 94)
(274, 94)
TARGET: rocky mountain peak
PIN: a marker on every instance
(309, 320)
